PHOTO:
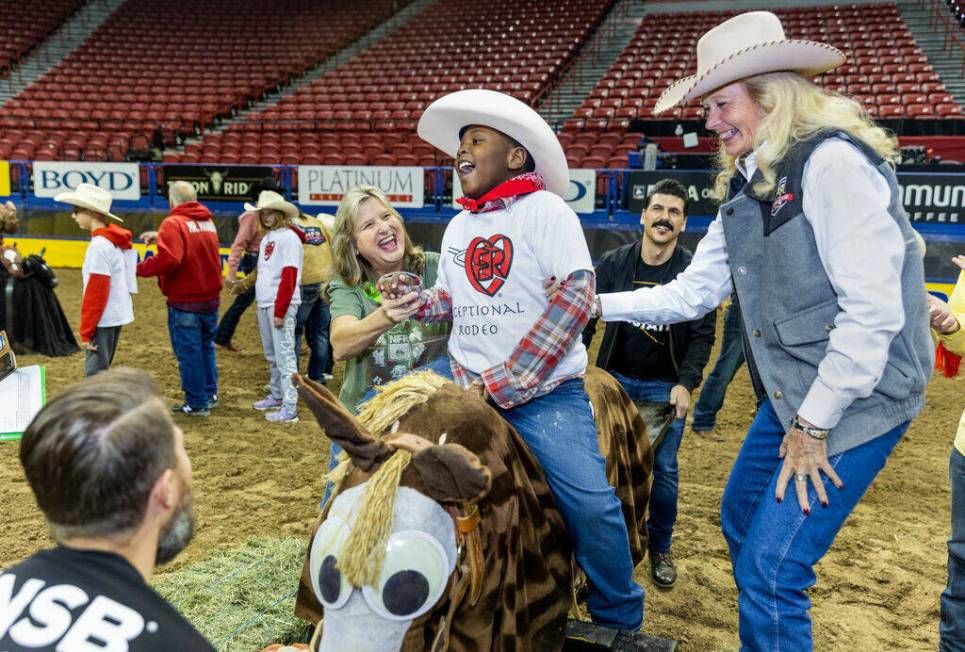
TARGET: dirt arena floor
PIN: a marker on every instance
(877, 589)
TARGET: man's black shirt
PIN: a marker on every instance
(68, 599)
(643, 350)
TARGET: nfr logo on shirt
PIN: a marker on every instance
(269, 249)
(313, 236)
(488, 262)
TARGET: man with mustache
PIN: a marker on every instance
(109, 471)
(656, 364)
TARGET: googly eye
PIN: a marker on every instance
(414, 575)
(330, 586)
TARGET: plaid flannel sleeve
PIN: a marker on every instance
(518, 380)
(437, 306)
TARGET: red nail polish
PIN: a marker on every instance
(824, 504)
(779, 499)
(806, 511)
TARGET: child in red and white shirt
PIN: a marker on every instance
(512, 344)
(109, 275)
(277, 297)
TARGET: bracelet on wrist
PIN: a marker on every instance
(810, 431)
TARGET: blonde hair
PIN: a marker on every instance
(795, 109)
(348, 264)
(282, 221)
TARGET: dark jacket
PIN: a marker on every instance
(690, 342)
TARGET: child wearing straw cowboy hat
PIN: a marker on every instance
(109, 275)
(279, 275)
(509, 342)
(813, 239)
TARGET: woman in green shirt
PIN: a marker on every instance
(374, 335)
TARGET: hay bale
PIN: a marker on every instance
(242, 598)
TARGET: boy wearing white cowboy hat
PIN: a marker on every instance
(279, 276)
(509, 342)
(109, 275)
(813, 239)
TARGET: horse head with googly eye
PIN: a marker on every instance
(442, 533)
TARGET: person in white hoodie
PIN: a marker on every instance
(276, 294)
(109, 275)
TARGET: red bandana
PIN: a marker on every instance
(496, 199)
(947, 361)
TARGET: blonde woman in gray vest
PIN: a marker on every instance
(812, 237)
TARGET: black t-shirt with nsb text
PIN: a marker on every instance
(69, 600)
(643, 350)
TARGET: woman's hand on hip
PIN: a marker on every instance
(805, 458)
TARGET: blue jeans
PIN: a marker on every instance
(666, 473)
(559, 430)
(229, 322)
(313, 317)
(729, 360)
(774, 546)
(952, 627)
(192, 338)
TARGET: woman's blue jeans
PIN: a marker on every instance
(774, 546)
(952, 628)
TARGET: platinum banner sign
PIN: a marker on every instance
(324, 185)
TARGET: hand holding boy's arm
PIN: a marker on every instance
(519, 378)
(436, 306)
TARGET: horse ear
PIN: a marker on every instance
(341, 427)
(451, 473)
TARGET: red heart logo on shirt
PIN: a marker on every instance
(488, 262)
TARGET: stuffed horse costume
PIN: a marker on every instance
(442, 533)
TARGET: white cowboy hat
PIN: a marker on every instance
(749, 44)
(442, 121)
(91, 197)
(271, 200)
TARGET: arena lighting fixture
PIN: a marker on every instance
(8, 361)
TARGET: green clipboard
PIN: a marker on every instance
(36, 393)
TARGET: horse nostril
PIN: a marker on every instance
(405, 592)
(329, 580)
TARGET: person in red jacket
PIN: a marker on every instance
(108, 275)
(188, 267)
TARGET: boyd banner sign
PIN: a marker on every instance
(216, 182)
(122, 180)
(580, 196)
(324, 185)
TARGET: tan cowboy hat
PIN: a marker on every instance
(442, 121)
(749, 44)
(271, 200)
(91, 197)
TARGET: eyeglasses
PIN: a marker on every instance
(8, 361)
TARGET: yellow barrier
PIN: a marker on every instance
(70, 253)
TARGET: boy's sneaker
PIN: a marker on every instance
(283, 415)
(267, 403)
(213, 401)
(184, 408)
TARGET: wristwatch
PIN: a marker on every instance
(811, 431)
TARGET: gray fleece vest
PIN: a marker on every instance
(788, 305)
